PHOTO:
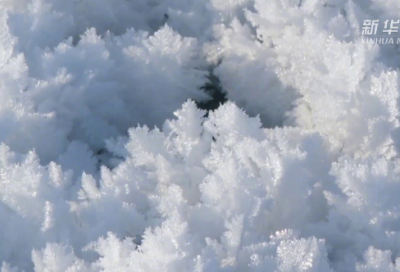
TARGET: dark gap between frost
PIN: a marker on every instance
(214, 89)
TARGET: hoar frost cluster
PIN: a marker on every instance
(107, 163)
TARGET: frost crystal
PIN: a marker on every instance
(107, 163)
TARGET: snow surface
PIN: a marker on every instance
(107, 164)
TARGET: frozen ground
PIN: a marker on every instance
(107, 164)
